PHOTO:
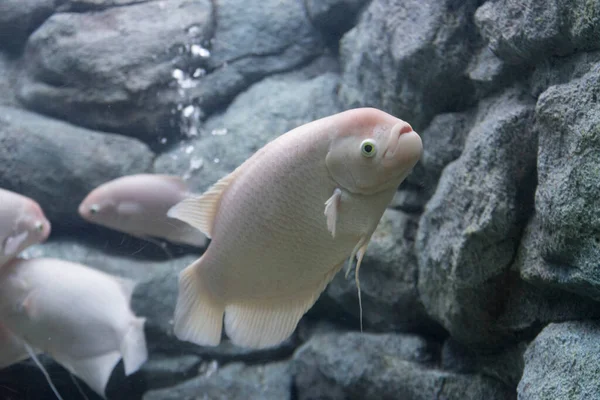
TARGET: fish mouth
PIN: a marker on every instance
(404, 145)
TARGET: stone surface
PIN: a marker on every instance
(57, 164)
(530, 30)
(7, 76)
(18, 18)
(388, 280)
(562, 363)
(267, 110)
(113, 69)
(252, 41)
(470, 230)
(368, 366)
(408, 58)
(562, 247)
(233, 382)
(334, 17)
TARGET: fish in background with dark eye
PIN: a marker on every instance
(138, 205)
(284, 223)
(22, 224)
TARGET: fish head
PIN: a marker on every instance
(373, 151)
(98, 207)
(34, 222)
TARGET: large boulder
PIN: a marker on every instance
(57, 164)
(562, 363)
(561, 247)
(368, 367)
(408, 58)
(113, 69)
(530, 30)
(233, 382)
(470, 231)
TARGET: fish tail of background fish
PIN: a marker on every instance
(133, 346)
(198, 314)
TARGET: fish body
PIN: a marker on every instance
(138, 205)
(284, 223)
(22, 224)
(12, 349)
(78, 315)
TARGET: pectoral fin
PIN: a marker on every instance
(358, 253)
(13, 242)
(331, 210)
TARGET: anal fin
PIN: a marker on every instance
(266, 323)
(198, 313)
(133, 346)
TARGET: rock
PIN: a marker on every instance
(388, 277)
(233, 382)
(562, 363)
(268, 109)
(93, 5)
(527, 31)
(443, 142)
(57, 164)
(164, 371)
(113, 69)
(470, 230)
(252, 41)
(562, 247)
(368, 366)
(7, 76)
(559, 70)
(408, 58)
(18, 18)
(505, 365)
(334, 17)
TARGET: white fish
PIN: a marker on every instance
(22, 224)
(284, 222)
(78, 315)
(138, 205)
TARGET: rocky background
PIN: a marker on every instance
(483, 279)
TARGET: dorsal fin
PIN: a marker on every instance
(200, 211)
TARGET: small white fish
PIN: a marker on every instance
(284, 222)
(22, 224)
(138, 205)
(78, 315)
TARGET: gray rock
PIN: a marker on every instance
(266, 110)
(113, 69)
(251, 41)
(367, 366)
(92, 5)
(408, 58)
(559, 70)
(233, 382)
(161, 371)
(388, 278)
(527, 31)
(57, 164)
(443, 142)
(470, 230)
(7, 75)
(562, 363)
(563, 245)
(334, 17)
(18, 18)
(505, 365)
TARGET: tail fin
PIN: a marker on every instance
(198, 314)
(133, 346)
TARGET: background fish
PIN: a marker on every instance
(138, 205)
(79, 316)
(22, 224)
(284, 222)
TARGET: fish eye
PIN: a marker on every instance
(368, 148)
(39, 226)
(94, 208)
